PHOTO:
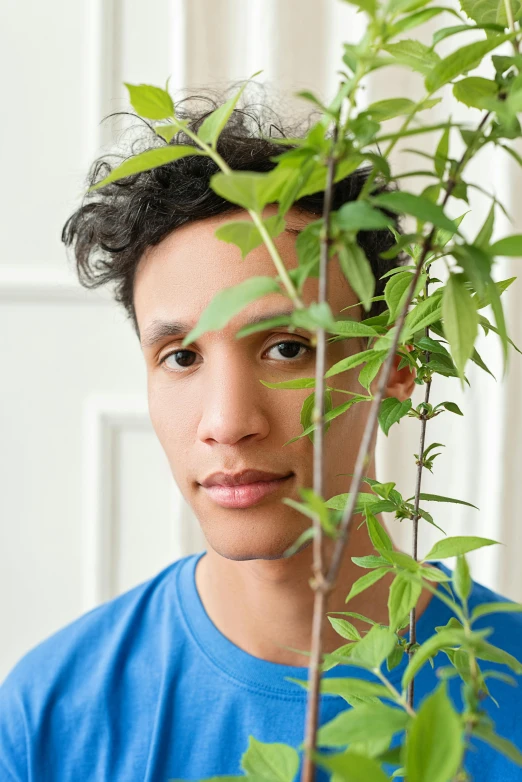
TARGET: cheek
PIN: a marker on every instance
(170, 416)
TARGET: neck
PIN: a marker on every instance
(263, 606)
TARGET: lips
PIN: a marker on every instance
(244, 495)
(241, 478)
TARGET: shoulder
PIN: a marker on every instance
(70, 676)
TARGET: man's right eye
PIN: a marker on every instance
(177, 352)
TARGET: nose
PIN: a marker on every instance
(234, 402)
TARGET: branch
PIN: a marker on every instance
(320, 596)
(415, 530)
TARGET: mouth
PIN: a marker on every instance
(245, 495)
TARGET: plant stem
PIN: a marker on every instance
(511, 23)
(256, 217)
(371, 423)
(476, 688)
(415, 528)
(318, 583)
(396, 694)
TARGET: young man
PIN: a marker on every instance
(173, 677)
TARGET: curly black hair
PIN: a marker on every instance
(114, 225)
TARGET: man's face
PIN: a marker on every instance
(207, 405)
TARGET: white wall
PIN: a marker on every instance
(87, 504)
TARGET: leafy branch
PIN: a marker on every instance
(433, 330)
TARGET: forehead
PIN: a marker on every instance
(178, 278)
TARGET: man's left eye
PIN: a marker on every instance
(291, 346)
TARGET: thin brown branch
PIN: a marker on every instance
(320, 594)
(415, 528)
(371, 423)
(321, 584)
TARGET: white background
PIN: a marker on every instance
(87, 504)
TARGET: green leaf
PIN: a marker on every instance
(366, 581)
(486, 733)
(404, 6)
(350, 766)
(486, 651)
(403, 596)
(423, 314)
(166, 131)
(382, 110)
(353, 328)
(395, 657)
(434, 755)
(364, 5)
(270, 762)
(249, 189)
(212, 125)
(452, 407)
(476, 263)
(494, 608)
(330, 414)
(462, 60)
(475, 91)
(371, 719)
(298, 382)
(441, 153)
(391, 411)
(433, 573)
(446, 32)
(460, 544)
(295, 547)
(443, 639)
(430, 345)
(350, 362)
(396, 292)
(316, 182)
(371, 651)
(228, 302)
(462, 582)
(402, 559)
(439, 498)
(246, 235)
(415, 19)
(377, 533)
(358, 271)
(510, 246)
(414, 55)
(152, 158)
(501, 286)
(494, 11)
(371, 369)
(460, 320)
(345, 629)
(483, 237)
(421, 208)
(369, 561)
(360, 216)
(346, 687)
(307, 411)
(339, 501)
(150, 102)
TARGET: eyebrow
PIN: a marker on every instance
(175, 328)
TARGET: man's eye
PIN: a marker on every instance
(288, 349)
(183, 354)
(293, 349)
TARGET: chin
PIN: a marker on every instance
(249, 543)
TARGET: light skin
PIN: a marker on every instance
(211, 413)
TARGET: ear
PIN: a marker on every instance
(401, 382)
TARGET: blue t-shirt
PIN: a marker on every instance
(145, 688)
